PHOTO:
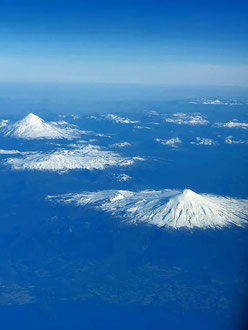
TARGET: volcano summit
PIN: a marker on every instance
(33, 127)
(166, 208)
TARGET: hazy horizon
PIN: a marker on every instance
(149, 42)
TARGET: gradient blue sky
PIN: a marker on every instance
(150, 42)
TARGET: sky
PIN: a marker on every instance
(106, 41)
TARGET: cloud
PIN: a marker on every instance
(123, 177)
(205, 142)
(173, 142)
(215, 102)
(15, 152)
(141, 127)
(232, 124)
(229, 140)
(3, 123)
(186, 119)
(120, 145)
(120, 120)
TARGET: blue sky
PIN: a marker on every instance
(150, 42)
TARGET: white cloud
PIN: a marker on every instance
(141, 127)
(123, 177)
(120, 145)
(187, 119)
(15, 152)
(229, 140)
(215, 102)
(151, 112)
(120, 120)
(232, 124)
(9, 152)
(173, 142)
(3, 123)
(205, 142)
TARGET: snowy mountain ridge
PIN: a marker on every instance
(87, 157)
(166, 208)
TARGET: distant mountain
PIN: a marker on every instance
(88, 157)
(33, 127)
(169, 208)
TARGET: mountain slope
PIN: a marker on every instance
(88, 157)
(169, 208)
(33, 127)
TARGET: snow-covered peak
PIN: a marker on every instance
(188, 193)
(88, 157)
(33, 127)
(32, 119)
(166, 208)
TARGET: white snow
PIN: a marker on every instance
(204, 141)
(33, 127)
(165, 208)
(173, 142)
(187, 119)
(85, 157)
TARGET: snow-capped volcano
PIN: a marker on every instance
(33, 127)
(166, 208)
(88, 157)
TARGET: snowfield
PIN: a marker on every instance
(86, 157)
(165, 208)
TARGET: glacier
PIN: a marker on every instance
(165, 208)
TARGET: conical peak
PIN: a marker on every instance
(188, 196)
(32, 118)
(34, 127)
(168, 208)
(188, 192)
(31, 115)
